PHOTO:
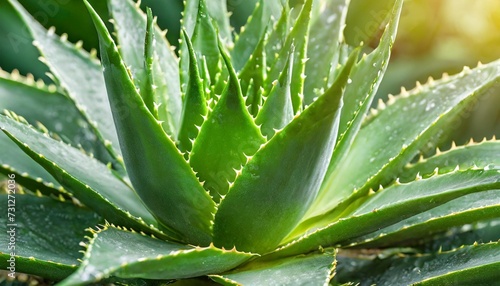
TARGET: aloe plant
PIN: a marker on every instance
(248, 159)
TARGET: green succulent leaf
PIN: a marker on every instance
(295, 41)
(323, 47)
(81, 76)
(215, 9)
(246, 43)
(37, 102)
(484, 154)
(29, 174)
(253, 75)
(278, 36)
(277, 111)
(168, 187)
(467, 209)
(130, 23)
(195, 102)
(468, 265)
(47, 234)
(395, 204)
(364, 81)
(150, 258)
(314, 269)
(205, 42)
(227, 136)
(88, 180)
(265, 203)
(391, 138)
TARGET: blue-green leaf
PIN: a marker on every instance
(314, 269)
(88, 180)
(158, 171)
(130, 23)
(47, 234)
(109, 254)
(323, 46)
(81, 77)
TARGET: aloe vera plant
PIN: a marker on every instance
(252, 159)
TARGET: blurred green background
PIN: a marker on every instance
(435, 36)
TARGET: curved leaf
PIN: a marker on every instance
(395, 204)
(365, 78)
(47, 235)
(314, 269)
(483, 154)
(29, 174)
(469, 265)
(90, 181)
(277, 110)
(280, 181)
(297, 41)
(323, 46)
(37, 102)
(149, 258)
(264, 14)
(458, 212)
(81, 76)
(195, 103)
(390, 139)
(160, 175)
(130, 23)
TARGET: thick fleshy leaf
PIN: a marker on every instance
(47, 235)
(89, 180)
(29, 173)
(278, 36)
(277, 111)
(364, 81)
(395, 204)
(297, 41)
(80, 75)
(109, 254)
(253, 75)
(226, 137)
(391, 138)
(265, 203)
(262, 17)
(482, 155)
(468, 265)
(464, 210)
(158, 171)
(130, 23)
(314, 269)
(216, 9)
(204, 37)
(37, 102)
(323, 46)
(195, 103)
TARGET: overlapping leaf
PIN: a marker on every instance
(395, 204)
(109, 254)
(395, 135)
(81, 76)
(130, 24)
(314, 269)
(227, 136)
(89, 180)
(47, 235)
(158, 171)
(265, 202)
(468, 265)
